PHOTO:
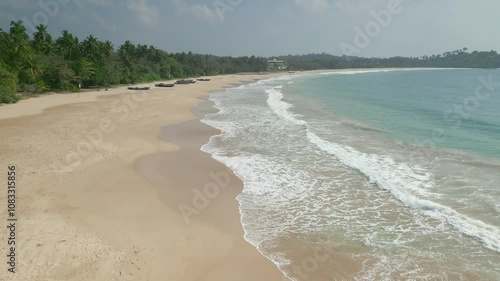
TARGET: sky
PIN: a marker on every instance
(367, 28)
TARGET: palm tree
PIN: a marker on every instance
(90, 48)
(68, 46)
(106, 48)
(18, 31)
(84, 70)
(18, 46)
(42, 41)
(127, 53)
(4, 44)
(30, 72)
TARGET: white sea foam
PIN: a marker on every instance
(375, 70)
(400, 179)
(401, 182)
(273, 151)
(280, 107)
(349, 72)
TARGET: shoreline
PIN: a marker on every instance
(239, 141)
(208, 107)
(85, 210)
(209, 200)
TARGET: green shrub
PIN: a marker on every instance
(8, 89)
(74, 89)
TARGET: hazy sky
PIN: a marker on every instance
(273, 27)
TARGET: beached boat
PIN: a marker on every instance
(139, 88)
(183, 82)
(163, 85)
(203, 79)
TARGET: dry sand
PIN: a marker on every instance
(99, 191)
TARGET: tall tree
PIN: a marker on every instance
(8, 80)
(90, 48)
(68, 47)
(30, 72)
(4, 45)
(42, 40)
(18, 46)
(85, 71)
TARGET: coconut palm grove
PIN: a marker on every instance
(31, 64)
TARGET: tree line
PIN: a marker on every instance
(457, 59)
(40, 62)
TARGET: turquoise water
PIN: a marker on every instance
(414, 106)
(370, 167)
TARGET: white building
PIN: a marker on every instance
(276, 64)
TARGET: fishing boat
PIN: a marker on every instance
(163, 85)
(139, 88)
(203, 79)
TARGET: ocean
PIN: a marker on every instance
(368, 175)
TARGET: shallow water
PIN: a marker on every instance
(346, 177)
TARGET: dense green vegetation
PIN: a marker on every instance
(456, 59)
(38, 62)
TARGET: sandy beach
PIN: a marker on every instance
(112, 185)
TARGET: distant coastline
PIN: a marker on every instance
(36, 63)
